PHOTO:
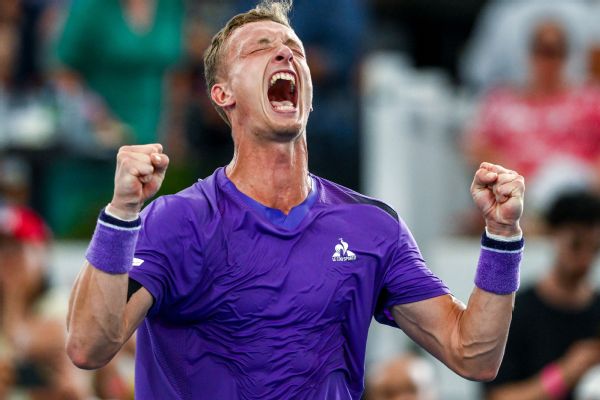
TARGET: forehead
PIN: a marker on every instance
(549, 31)
(260, 30)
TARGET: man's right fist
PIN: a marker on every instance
(139, 174)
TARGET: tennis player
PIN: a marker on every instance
(260, 281)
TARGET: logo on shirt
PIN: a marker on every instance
(342, 253)
(137, 262)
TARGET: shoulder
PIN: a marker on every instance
(195, 204)
(585, 94)
(337, 195)
(502, 95)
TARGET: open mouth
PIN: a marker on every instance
(282, 92)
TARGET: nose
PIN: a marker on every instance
(284, 54)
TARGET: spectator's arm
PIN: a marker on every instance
(555, 379)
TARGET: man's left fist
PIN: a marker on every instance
(498, 193)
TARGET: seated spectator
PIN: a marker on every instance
(548, 130)
(498, 51)
(407, 377)
(553, 339)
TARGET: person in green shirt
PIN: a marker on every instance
(121, 50)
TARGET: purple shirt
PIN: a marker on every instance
(252, 304)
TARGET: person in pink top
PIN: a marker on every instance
(548, 130)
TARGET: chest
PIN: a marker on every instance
(550, 334)
(320, 273)
(156, 44)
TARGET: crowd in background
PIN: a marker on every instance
(80, 78)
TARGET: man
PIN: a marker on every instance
(554, 338)
(406, 377)
(261, 280)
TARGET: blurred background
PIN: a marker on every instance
(410, 96)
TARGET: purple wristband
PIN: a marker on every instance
(113, 244)
(498, 268)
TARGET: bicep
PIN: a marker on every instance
(431, 323)
(138, 303)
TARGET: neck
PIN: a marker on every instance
(543, 89)
(565, 292)
(272, 173)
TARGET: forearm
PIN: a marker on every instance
(96, 322)
(482, 331)
(101, 317)
(482, 328)
(553, 382)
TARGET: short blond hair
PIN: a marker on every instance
(266, 10)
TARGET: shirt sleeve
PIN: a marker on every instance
(166, 263)
(407, 279)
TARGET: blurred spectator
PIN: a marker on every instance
(588, 387)
(197, 136)
(114, 56)
(548, 130)
(408, 377)
(593, 46)
(554, 336)
(33, 362)
(31, 335)
(121, 50)
(499, 50)
(332, 34)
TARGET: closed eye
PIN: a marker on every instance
(298, 52)
(258, 50)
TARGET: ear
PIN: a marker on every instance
(222, 96)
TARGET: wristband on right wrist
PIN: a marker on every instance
(498, 267)
(113, 245)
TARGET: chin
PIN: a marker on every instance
(287, 132)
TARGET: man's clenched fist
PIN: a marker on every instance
(498, 193)
(139, 174)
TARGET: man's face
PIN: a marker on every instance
(265, 70)
(548, 53)
(577, 248)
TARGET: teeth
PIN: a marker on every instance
(283, 75)
(283, 105)
(284, 108)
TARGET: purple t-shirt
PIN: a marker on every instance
(250, 303)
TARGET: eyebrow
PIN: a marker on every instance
(289, 42)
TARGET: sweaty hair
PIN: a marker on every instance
(574, 208)
(266, 10)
